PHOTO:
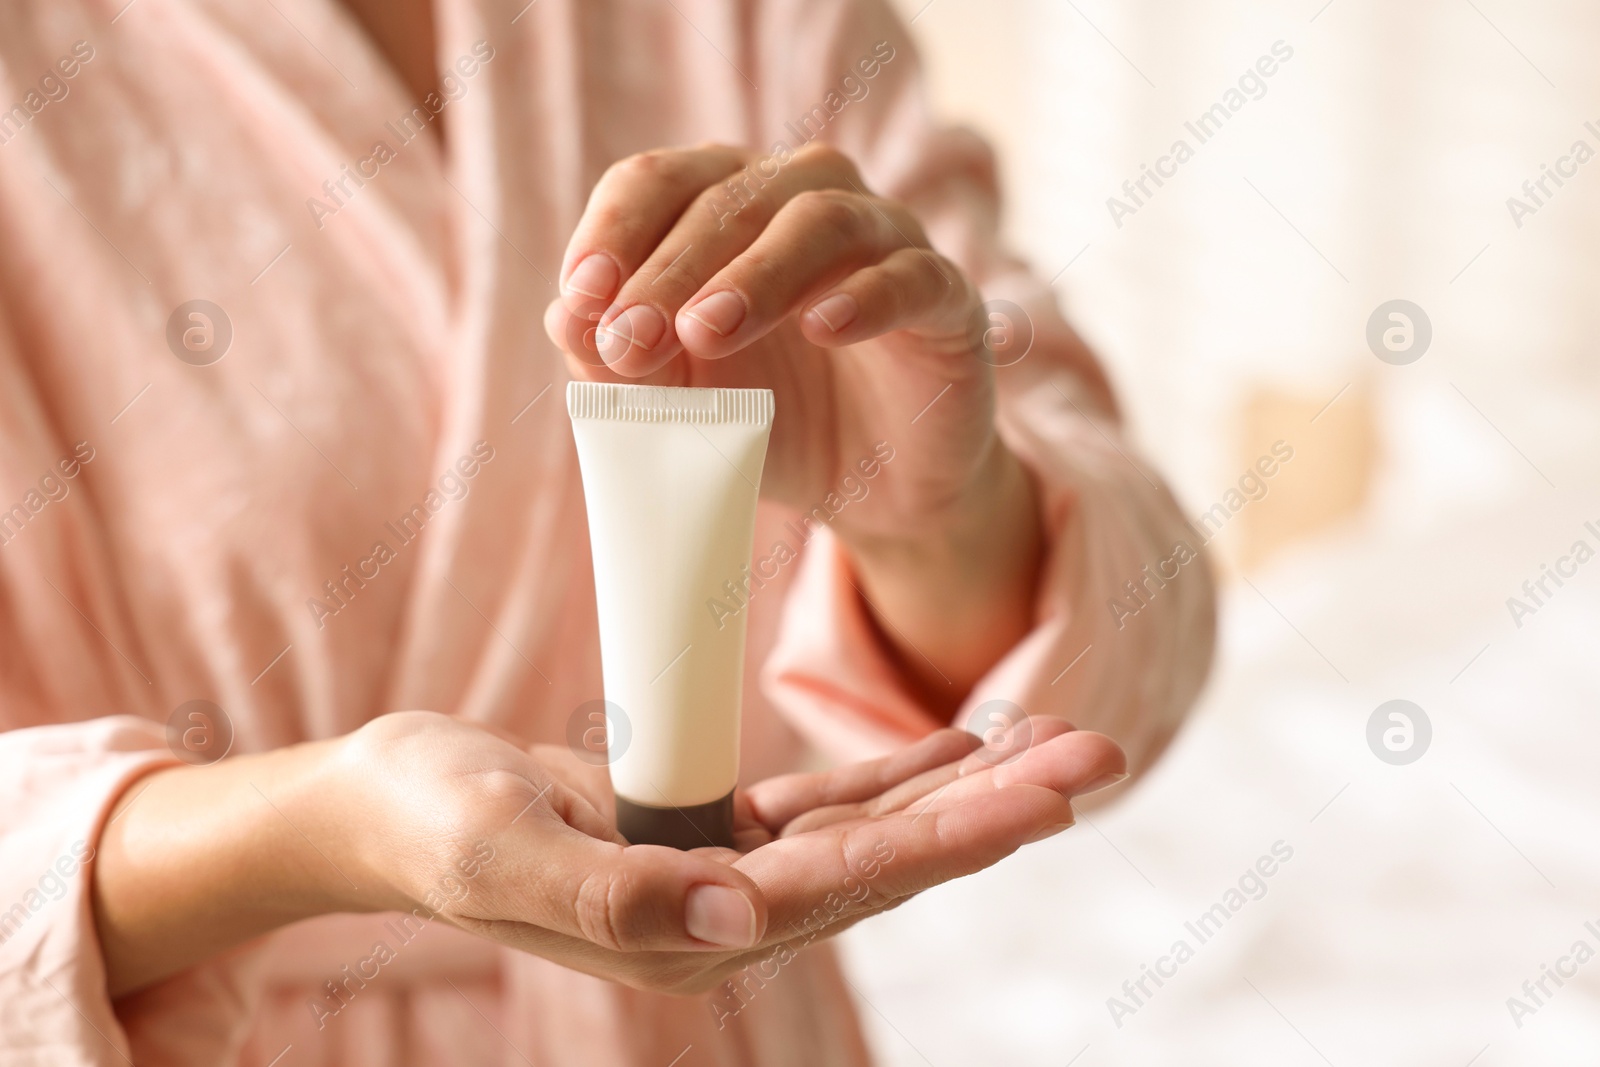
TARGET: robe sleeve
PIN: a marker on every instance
(77, 726)
(57, 784)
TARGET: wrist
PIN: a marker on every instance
(996, 508)
(196, 860)
(300, 810)
(363, 870)
(953, 590)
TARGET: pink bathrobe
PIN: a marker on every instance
(170, 525)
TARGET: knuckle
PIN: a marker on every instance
(920, 279)
(601, 910)
(610, 217)
(661, 166)
(617, 171)
(738, 202)
(637, 167)
(896, 294)
(829, 160)
(720, 148)
(641, 163)
(617, 226)
(502, 789)
(392, 744)
(832, 209)
(757, 275)
(878, 289)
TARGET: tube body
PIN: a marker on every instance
(670, 481)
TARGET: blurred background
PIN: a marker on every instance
(1431, 875)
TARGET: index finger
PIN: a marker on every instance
(778, 801)
(815, 882)
(633, 206)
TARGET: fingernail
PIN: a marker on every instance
(595, 276)
(836, 312)
(640, 325)
(1049, 831)
(1103, 782)
(721, 313)
(720, 916)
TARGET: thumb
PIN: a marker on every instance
(582, 881)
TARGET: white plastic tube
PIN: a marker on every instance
(670, 479)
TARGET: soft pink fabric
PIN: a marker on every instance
(370, 353)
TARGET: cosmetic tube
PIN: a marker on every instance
(670, 479)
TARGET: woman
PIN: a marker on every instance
(283, 284)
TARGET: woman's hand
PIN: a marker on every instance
(817, 852)
(691, 268)
(422, 813)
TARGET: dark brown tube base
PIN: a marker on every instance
(697, 826)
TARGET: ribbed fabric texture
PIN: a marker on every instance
(659, 403)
